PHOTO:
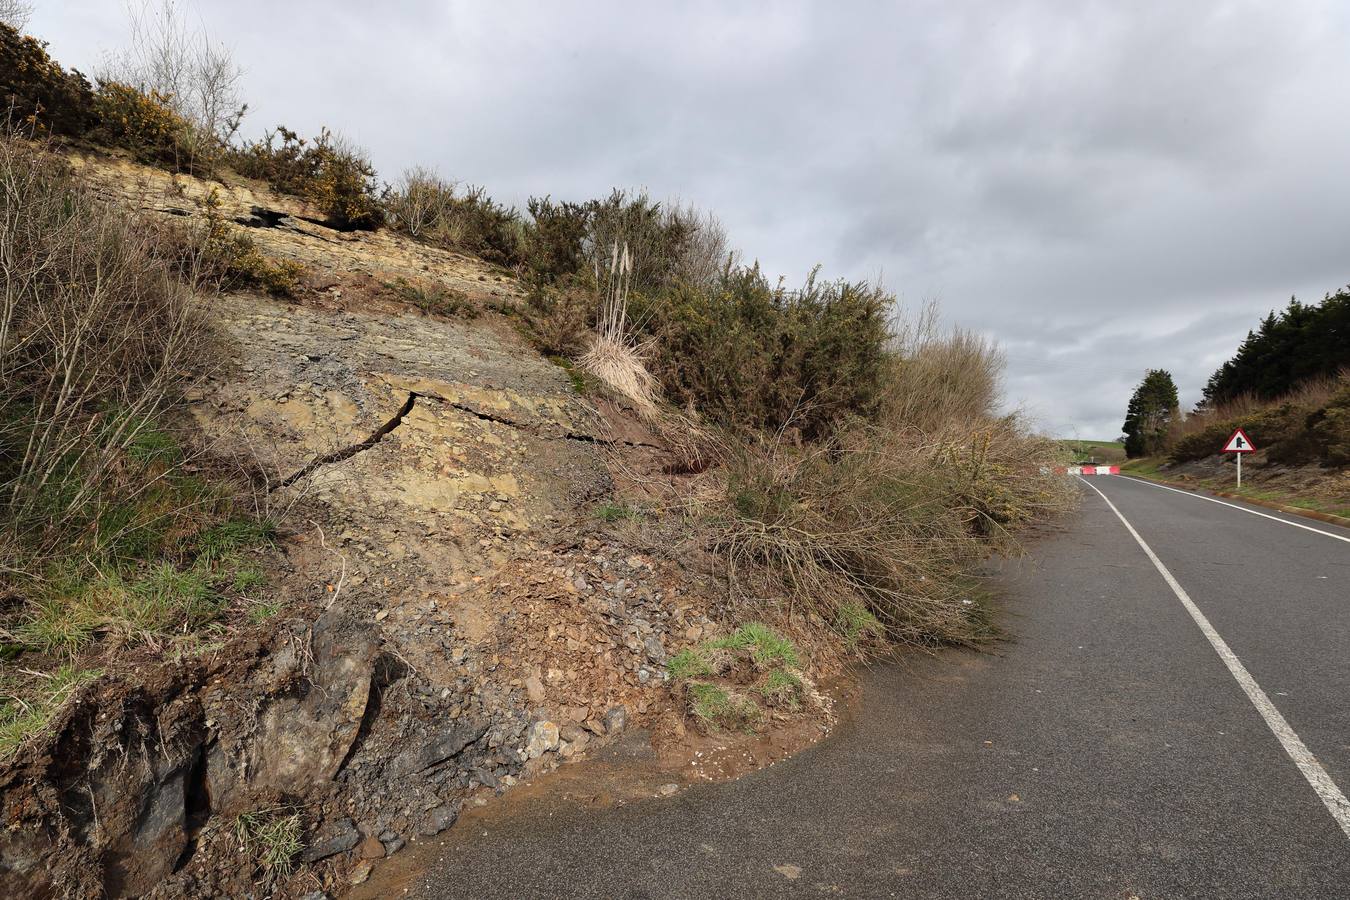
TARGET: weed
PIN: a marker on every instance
(578, 380)
(272, 837)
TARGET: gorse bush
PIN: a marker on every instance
(39, 95)
(45, 100)
(329, 171)
(749, 354)
(145, 124)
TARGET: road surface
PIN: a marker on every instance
(1108, 750)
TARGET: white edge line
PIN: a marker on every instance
(1312, 770)
(1339, 537)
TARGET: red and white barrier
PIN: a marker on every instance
(1087, 470)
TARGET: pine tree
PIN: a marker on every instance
(1152, 410)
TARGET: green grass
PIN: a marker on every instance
(688, 663)
(1151, 468)
(857, 624)
(766, 646)
(231, 536)
(573, 374)
(781, 688)
(617, 512)
(26, 709)
(272, 837)
(718, 708)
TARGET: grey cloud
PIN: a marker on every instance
(1105, 187)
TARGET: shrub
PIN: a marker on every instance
(1305, 426)
(935, 381)
(96, 323)
(873, 531)
(39, 95)
(559, 318)
(146, 124)
(429, 208)
(332, 173)
(102, 528)
(747, 354)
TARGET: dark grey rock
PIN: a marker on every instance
(439, 748)
(341, 837)
(440, 818)
(615, 719)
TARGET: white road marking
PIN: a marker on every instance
(1312, 770)
(1339, 537)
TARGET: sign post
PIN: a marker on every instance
(1239, 444)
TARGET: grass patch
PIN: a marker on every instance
(618, 512)
(857, 625)
(781, 688)
(434, 299)
(272, 837)
(716, 708)
(26, 709)
(688, 663)
(233, 535)
(766, 646)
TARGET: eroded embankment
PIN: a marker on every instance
(459, 618)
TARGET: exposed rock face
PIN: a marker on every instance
(461, 620)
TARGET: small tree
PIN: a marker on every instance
(1152, 410)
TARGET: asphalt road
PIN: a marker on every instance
(1107, 750)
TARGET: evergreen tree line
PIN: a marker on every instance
(1303, 341)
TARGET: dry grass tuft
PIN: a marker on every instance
(612, 357)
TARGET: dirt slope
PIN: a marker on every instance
(457, 618)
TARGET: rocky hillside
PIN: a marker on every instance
(452, 611)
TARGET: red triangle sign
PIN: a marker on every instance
(1239, 443)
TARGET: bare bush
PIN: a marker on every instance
(96, 331)
(434, 209)
(936, 380)
(870, 537)
(15, 13)
(170, 56)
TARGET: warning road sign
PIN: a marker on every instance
(1239, 443)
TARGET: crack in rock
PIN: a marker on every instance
(380, 433)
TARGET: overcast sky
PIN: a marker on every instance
(1102, 187)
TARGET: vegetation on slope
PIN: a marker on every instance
(1301, 343)
(862, 465)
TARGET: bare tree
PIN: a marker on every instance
(169, 55)
(15, 13)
